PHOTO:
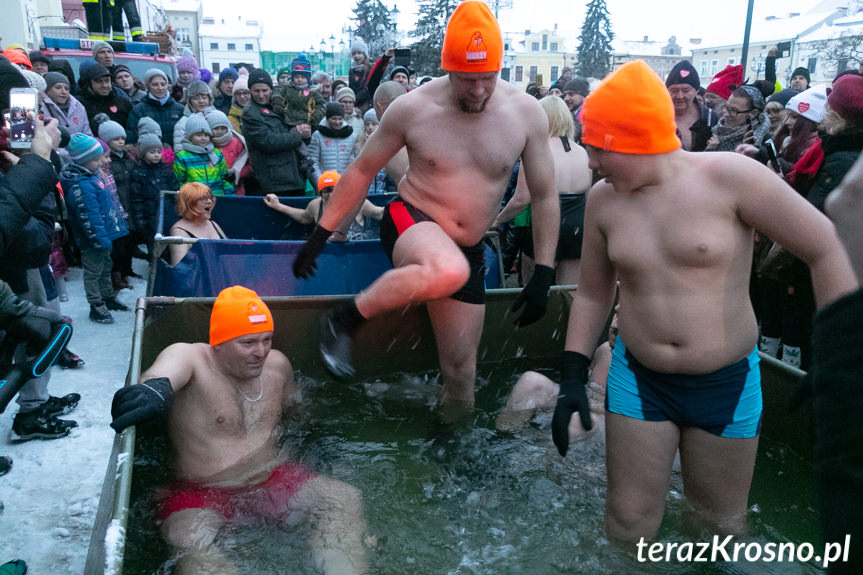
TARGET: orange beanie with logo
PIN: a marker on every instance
(630, 112)
(238, 311)
(473, 42)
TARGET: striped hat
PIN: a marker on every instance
(301, 65)
(83, 148)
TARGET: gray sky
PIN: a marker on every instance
(295, 25)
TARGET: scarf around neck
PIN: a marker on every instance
(209, 150)
(342, 132)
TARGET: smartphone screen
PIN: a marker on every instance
(402, 57)
(22, 113)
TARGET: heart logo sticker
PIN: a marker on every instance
(684, 73)
(113, 109)
(802, 107)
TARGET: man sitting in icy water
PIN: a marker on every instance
(224, 404)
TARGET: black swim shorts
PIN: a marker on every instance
(400, 215)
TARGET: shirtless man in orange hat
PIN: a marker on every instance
(676, 229)
(224, 404)
(463, 133)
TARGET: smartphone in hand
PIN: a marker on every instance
(23, 104)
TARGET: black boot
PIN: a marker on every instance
(61, 405)
(113, 304)
(40, 424)
(337, 331)
(5, 464)
(68, 360)
(100, 314)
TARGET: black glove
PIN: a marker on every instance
(304, 265)
(146, 401)
(534, 296)
(572, 398)
(30, 324)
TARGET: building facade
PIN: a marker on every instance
(660, 56)
(535, 56)
(226, 42)
(184, 17)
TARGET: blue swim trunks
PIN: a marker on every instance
(726, 402)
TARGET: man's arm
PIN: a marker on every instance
(766, 203)
(175, 364)
(266, 138)
(537, 165)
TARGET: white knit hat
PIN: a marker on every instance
(809, 104)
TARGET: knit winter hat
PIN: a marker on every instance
(197, 88)
(98, 45)
(359, 45)
(258, 76)
(206, 75)
(810, 104)
(52, 78)
(238, 311)
(147, 125)
(37, 56)
(35, 81)
(83, 148)
(578, 85)
(148, 141)
(371, 116)
(216, 118)
(345, 92)
(301, 65)
(187, 63)
(783, 96)
(109, 130)
(801, 71)
(197, 123)
(18, 57)
(328, 179)
(398, 69)
(241, 84)
(286, 71)
(630, 112)
(730, 76)
(683, 73)
(334, 109)
(228, 74)
(152, 73)
(473, 42)
(120, 68)
(846, 99)
(91, 70)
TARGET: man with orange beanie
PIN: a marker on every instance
(675, 229)
(463, 134)
(222, 404)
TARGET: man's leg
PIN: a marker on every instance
(192, 533)
(717, 474)
(335, 510)
(639, 455)
(457, 327)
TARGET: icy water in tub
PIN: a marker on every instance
(471, 500)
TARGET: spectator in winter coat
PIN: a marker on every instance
(353, 117)
(296, 101)
(99, 96)
(241, 98)
(199, 161)
(331, 146)
(187, 72)
(158, 104)
(125, 82)
(60, 104)
(273, 147)
(694, 121)
(225, 89)
(150, 176)
(199, 100)
(233, 148)
(95, 223)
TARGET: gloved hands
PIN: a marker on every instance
(304, 265)
(534, 296)
(572, 398)
(145, 401)
(30, 324)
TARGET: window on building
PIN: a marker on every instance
(544, 42)
(534, 46)
(533, 72)
(703, 72)
(519, 73)
(183, 34)
(811, 65)
(232, 46)
(731, 61)
(250, 47)
(554, 73)
(216, 68)
(214, 45)
(714, 67)
(554, 46)
(504, 74)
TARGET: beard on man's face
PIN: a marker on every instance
(472, 106)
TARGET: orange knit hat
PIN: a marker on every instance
(473, 42)
(631, 113)
(328, 179)
(238, 311)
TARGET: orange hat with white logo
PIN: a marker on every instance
(630, 112)
(328, 179)
(238, 311)
(473, 42)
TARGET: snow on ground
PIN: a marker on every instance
(52, 492)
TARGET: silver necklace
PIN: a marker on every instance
(260, 395)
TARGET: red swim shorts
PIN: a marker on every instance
(269, 498)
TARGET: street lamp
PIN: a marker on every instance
(333, 52)
(322, 56)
